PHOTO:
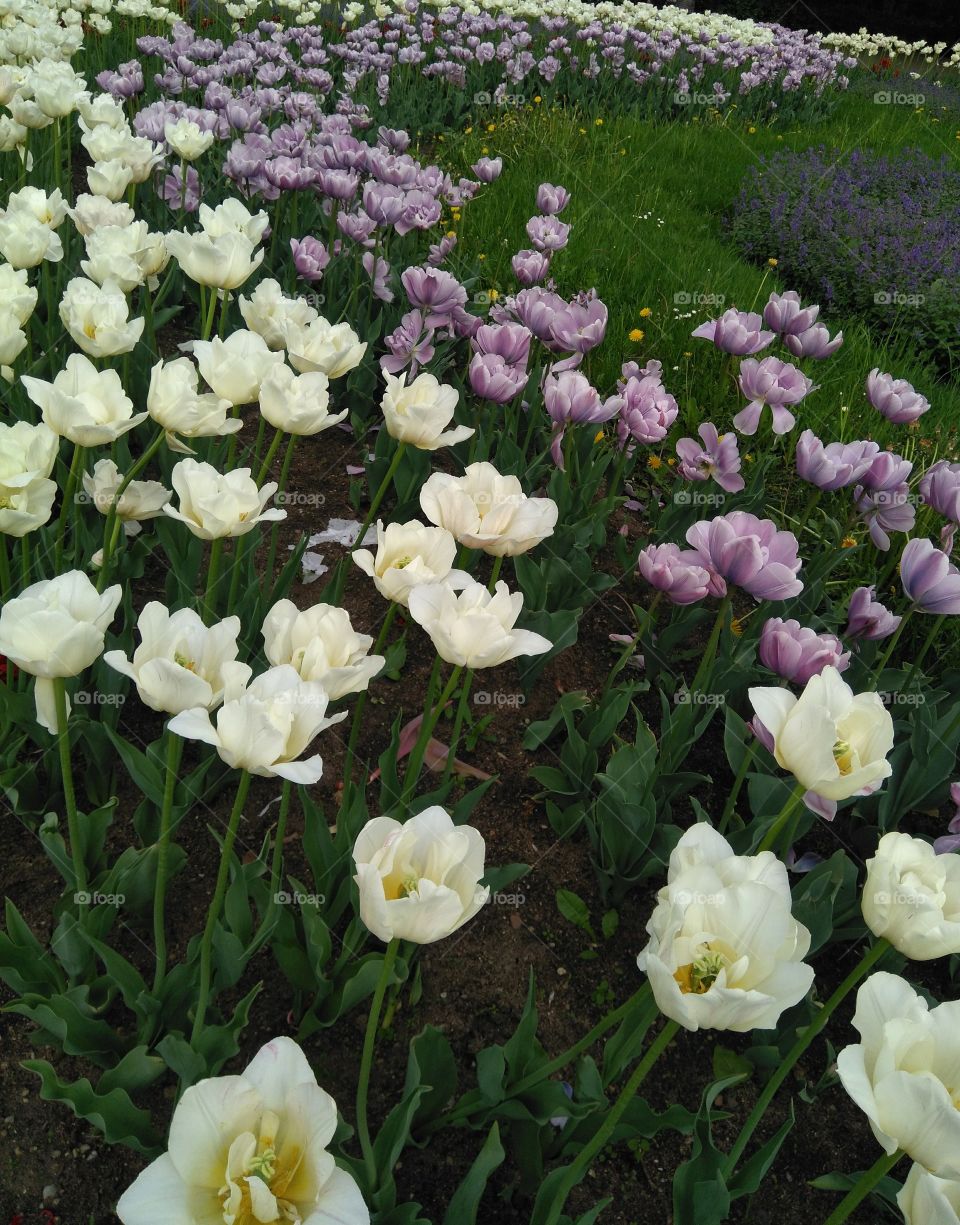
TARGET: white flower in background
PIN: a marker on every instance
(270, 312)
(13, 136)
(101, 109)
(297, 403)
(27, 456)
(214, 504)
(331, 348)
(409, 554)
(109, 179)
(831, 740)
(13, 341)
(187, 139)
(912, 897)
(56, 88)
(420, 413)
(485, 510)
(231, 217)
(927, 1200)
(265, 726)
(725, 952)
(474, 628)
(222, 263)
(128, 255)
(903, 1073)
(86, 405)
(182, 664)
(236, 367)
(25, 111)
(53, 629)
(419, 880)
(26, 242)
(16, 294)
(91, 212)
(176, 405)
(118, 147)
(321, 643)
(97, 318)
(140, 500)
(250, 1148)
(49, 209)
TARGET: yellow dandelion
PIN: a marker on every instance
(646, 312)
(736, 627)
(636, 334)
(654, 462)
(481, 257)
(671, 463)
(772, 262)
(583, 131)
(493, 294)
(623, 153)
(491, 127)
(468, 130)
(485, 150)
(598, 436)
(598, 123)
(847, 542)
(537, 99)
(687, 353)
(751, 130)
(451, 233)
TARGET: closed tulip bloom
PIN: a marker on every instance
(26, 242)
(86, 405)
(748, 552)
(912, 897)
(419, 413)
(214, 505)
(548, 234)
(738, 332)
(579, 326)
(868, 618)
(646, 409)
(264, 726)
(419, 880)
(902, 1073)
(836, 465)
(333, 349)
(530, 267)
(887, 471)
(297, 403)
(815, 342)
(796, 652)
(176, 405)
(493, 378)
(250, 1148)
(140, 500)
(236, 367)
(187, 140)
(225, 262)
(27, 456)
(487, 169)
(834, 742)
(109, 179)
(940, 489)
(56, 88)
(16, 294)
(511, 341)
(784, 314)
(91, 213)
(322, 645)
(895, 398)
(127, 255)
(714, 456)
(231, 217)
(552, 200)
(54, 629)
(472, 628)
(181, 663)
(929, 578)
(270, 313)
(97, 318)
(773, 383)
(677, 574)
(725, 951)
(408, 554)
(925, 1199)
(485, 510)
(435, 292)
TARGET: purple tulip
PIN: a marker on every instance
(717, 457)
(784, 315)
(579, 327)
(547, 233)
(571, 400)
(552, 200)
(796, 652)
(494, 378)
(488, 169)
(421, 210)
(359, 226)
(440, 250)
(774, 383)
(940, 489)
(835, 465)
(434, 291)
(885, 510)
(814, 342)
(410, 344)
(535, 308)
(868, 618)
(383, 202)
(173, 193)
(749, 552)
(887, 471)
(951, 841)
(530, 267)
(736, 332)
(646, 409)
(511, 341)
(666, 568)
(929, 578)
(895, 398)
(378, 270)
(310, 258)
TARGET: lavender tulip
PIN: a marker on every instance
(552, 200)
(494, 378)
(836, 465)
(488, 169)
(571, 400)
(868, 618)
(814, 342)
(895, 398)
(774, 383)
(310, 258)
(748, 552)
(951, 841)
(940, 489)
(784, 315)
(530, 267)
(410, 344)
(796, 652)
(535, 308)
(510, 340)
(736, 332)
(579, 327)
(547, 233)
(929, 578)
(717, 457)
(646, 409)
(670, 570)
(434, 291)
(884, 511)
(887, 471)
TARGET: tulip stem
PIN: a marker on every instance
(268, 458)
(366, 1061)
(430, 718)
(894, 639)
(362, 701)
(216, 905)
(494, 574)
(277, 861)
(76, 465)
(706, 663)
(174, 751)
(578, 1168)
(213, 570)
(742, 769)
(380, 494)
(6, 588)
(922, 653)
(210, 312)
(770, 838)
(458, 724)
(69, 795)
(860, 970)
(864, 1185)
(275, 527)
(110, 534)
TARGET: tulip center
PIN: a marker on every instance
(402, 562)
(698, 976)
(258, 1176)
(843, 756)
(90, 330)
(184, 661)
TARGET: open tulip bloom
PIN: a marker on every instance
(474, 628)
(485, 510)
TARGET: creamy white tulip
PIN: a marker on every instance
(297, 403)
(473, 628)
(927, 1200)
(97, 318)
(270, 312)
(182, 664)
(904, 1074)
(249, 1148)
(420, 413)
(321, 643)
(833, 741)
(139, 501)
(55, 628)
(13, 341)
(56, 87)
(84, 404)
(49, 209)
(26, 503)
(91, 212)
(912, 897)
(419, 880)
(109, 179)
(407, 555)
(127, 255)
(485, 510)
(231, 217)
(174, 402)
(214, 504)
(332, 348)
(236, 367)
(725, 952)
(265, 726)
(187, 139)
(26, 242)
(222, 263)
(16, 293)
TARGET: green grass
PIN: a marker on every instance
(647, 212)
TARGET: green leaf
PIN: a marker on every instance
(575, 910)
(431, 1066)
(463, 1206)
(113, 1113)
(136, 1070)
(609, 924)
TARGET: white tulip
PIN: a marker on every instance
(474, 628)
(912, 897)
(833, 741)
(214, 505)
(249, 1148)
(236, 367)
(86, 405)
(26, 242)
(49, 209)
(332, 349)
(270, 312)
(97, 317)
(91, 212)
(26, 500)
(182, 664)
(139, 501)
(231, 217)
(109, 179)
(419, 414)
(127, 255)
(419, 880)
(55, 628)
(187, 139)
(903, 1072)
(223, 263)
(927, 1200)
(322, 645)
(485, 510)
(16, 294)
(13, 341)
(297, 403)
(409, 554)
(56, 88)
(265, 726)
(176, 405)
